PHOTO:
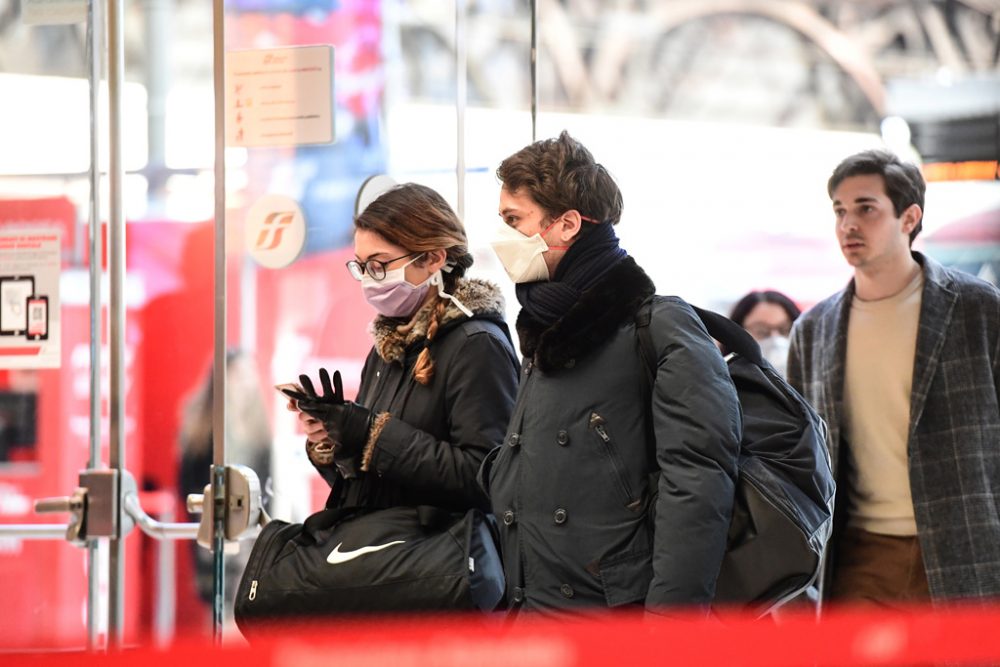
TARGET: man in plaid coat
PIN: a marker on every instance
(904, 366)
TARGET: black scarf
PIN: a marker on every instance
(584, 264)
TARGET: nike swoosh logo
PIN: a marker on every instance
(337, 556)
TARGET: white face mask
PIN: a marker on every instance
(775, 350)
(522, 256)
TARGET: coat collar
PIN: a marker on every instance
(591, 322)
(936, 307)
(393, 338)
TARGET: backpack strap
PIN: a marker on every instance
(647, 351)
(721, 328)
(733, 336)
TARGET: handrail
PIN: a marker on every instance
(34, 531)
(158, 529)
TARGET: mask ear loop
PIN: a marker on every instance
(438, 280)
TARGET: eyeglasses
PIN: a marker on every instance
(763, 331)
(375, 268)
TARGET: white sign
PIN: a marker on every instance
(279, 97)
(29, 298)
(275, 231)
(53, 12)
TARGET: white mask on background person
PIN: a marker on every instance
(775, 350)
(523, 257)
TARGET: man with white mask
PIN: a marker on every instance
(581, 524)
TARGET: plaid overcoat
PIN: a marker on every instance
(954, 437)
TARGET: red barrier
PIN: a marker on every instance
(958, 636)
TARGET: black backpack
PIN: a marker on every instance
(783, 509)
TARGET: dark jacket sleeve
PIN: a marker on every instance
(479, 391)
(698, 426)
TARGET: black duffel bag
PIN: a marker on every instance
(350, 561)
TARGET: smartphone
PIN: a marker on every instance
(292, 390)
(38, 317)
(14, 292)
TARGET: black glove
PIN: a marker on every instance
(347, 422)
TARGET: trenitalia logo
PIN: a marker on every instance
(274, 231)
(274, 225)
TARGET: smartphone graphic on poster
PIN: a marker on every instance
(14, 293)
(38, 317)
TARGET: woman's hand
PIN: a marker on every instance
(314, 428)
(345, 422)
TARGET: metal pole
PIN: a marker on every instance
(219, 368)
(461, 75)
(165, 617)
(95, 45)
(116, 269)
(534, 71)
(158, 39)
(34, 531)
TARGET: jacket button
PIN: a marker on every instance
(518, 594)
(513, 439)
(527, 367)
(560, 516)
(508, 518)
(566, 590)
(562, 438)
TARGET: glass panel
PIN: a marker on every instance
(44, 326)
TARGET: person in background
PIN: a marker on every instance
(904, 366)
(768, 316)
(438, 385)
(248, 442)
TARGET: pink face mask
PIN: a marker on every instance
(393, 296)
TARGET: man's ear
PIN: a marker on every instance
(570, 223)
(911, 217)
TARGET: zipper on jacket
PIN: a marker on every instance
(253, 590)
(597, 423)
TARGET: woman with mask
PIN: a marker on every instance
(437, 387)
(768, 316)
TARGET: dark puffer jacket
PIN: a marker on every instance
(429, 440)
(580, 525)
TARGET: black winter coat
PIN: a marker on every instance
(429, 440)
(580, 524)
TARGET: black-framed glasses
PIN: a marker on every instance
(375, 268)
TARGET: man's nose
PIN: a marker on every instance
(847, 223)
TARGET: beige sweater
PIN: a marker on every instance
(881, 345)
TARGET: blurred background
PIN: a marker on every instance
(721, 120)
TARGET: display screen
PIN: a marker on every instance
(14, 293)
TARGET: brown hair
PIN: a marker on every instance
(560, 175)
(418, 219)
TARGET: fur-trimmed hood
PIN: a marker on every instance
(591, 322)
(393, 338)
